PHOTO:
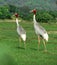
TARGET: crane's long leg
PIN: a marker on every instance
(20, 41)
(44, 42)
(38, 41)
(24, 44)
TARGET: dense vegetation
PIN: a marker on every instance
(7, 11)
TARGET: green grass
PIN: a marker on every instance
(11, 54)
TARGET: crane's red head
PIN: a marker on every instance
(34, 11)
(16, 15)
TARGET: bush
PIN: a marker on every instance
(43, 16)
(53, 13)
(4, 12)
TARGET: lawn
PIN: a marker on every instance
(12, 54)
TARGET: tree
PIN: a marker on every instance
(43, 16)
(4, 12)
(53, 13)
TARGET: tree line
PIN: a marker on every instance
(7, 11)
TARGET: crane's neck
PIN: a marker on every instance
(17, 22)
(34, 19)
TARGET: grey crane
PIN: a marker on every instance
(39, 30)
(20, 30)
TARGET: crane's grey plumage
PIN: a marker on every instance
(39, 30)
(21, 32)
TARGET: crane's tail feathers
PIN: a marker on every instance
(46, 37)
(23, 36)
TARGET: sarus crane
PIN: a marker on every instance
(20, 30)
(39, 30)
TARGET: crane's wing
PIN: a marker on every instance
(39, 29)
(20, 30)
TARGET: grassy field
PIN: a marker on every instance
(12, 54)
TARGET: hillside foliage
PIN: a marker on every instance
(7, 11)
